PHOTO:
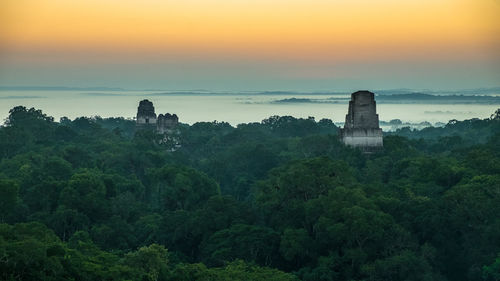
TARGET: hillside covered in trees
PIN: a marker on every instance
(283, 199)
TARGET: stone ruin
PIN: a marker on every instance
(361, 128)
(165, 125)
(146, 116)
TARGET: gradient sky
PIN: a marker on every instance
(251, 44)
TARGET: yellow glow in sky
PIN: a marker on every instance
(313, 28)
(316, 34)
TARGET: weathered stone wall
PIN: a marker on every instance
(146, 115)
(363, 137)
(142, 120)
(362, 111)
(361, 128)
(167, 123)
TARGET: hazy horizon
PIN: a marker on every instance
(54, 87)
(251, 45)
(237, 108)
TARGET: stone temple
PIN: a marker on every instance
(146, 116)
(167, 123)
(146, 119)
(361, 128)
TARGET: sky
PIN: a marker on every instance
(251, 44)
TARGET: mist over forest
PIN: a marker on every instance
(94, 198)
(414, 108)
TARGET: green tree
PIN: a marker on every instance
(252, 243)
(179, 188)
(492, 272)
(8, 198)
(152, 260)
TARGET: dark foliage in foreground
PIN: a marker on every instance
(90, 199)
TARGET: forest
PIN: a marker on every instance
(283, 199)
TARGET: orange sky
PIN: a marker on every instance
(313, 31)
